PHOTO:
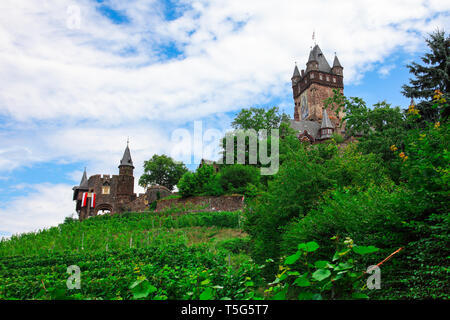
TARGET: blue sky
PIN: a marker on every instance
(80, 77)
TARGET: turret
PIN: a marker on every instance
(126, 164)
(296, 76)
(337, 67)
(312, 63)
(326, 128)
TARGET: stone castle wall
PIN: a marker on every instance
(222, 203)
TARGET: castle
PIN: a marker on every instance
(113, 194)
(312, 121)
(310, 87)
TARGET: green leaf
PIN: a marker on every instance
(322, 264)
(205, 282)
(249, 284)
(365, 250)
(280, 295)
(207, 294)
(141, 289)
(302, 281)
(321, 274)
(343, 266)
(312, 246)
(309, 246)
(293, 258)
(359, 295)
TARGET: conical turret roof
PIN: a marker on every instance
(84, 181)
(317, 55)
(296, 72)
(126, 159)
(326, 122)
(336, 62)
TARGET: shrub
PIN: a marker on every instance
(235, 178)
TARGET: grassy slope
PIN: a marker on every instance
(181, 255)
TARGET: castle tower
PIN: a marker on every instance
(311, 87)
(78, 194)
(125, 183)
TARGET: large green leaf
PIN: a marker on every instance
(141, 289)
(309, 246)
(321, 274)
(302, 281)
(365, 250)
(207, 294)
(292, 258)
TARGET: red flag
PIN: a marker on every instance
(93, 200)
(84, 199)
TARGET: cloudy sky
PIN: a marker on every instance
(78, 77)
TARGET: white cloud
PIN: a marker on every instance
(385, 70)
(37, 207)
(69, 95)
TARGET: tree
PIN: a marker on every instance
(433, 75)
(259, 118)
(162, 170)
(255, 119)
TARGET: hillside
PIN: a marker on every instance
(190, 256)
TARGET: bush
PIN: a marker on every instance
(235, 178)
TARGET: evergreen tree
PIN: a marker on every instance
(433, 75)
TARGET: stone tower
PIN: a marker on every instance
(125, 185)
(311, 86)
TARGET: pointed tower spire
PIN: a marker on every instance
(126, 159)
(296, 72)
(326, 122)
(336, 62)
(84, 181)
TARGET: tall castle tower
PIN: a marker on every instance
(125, 186)
(313, 85)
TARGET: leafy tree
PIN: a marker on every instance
(162, 170)
(259, 118)
(433, 75)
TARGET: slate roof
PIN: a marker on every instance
(296, 72)
(317, 55)
(326, 122)
(126, 159)
(312, 127)
(336, 62)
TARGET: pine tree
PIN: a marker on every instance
(433, 75)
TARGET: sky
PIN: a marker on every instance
(80, 77)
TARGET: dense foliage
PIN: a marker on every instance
(433, 75)
(162, 170)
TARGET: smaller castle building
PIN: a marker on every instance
(113, 193)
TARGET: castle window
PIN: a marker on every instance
(328, 78)
(334, 80)
(106, 189)
(320, 76)
(312, 76)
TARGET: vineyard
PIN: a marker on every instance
(163, 256)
